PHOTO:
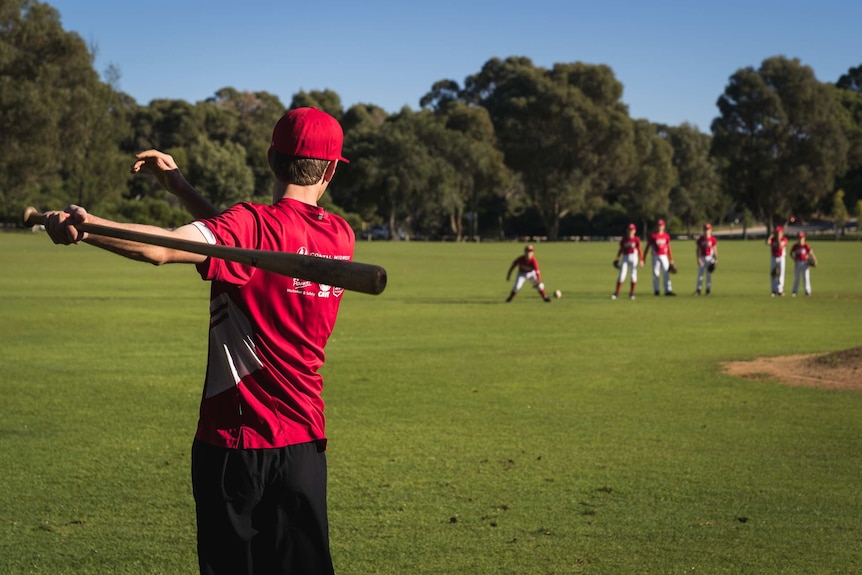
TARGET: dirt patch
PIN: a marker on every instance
(838, 370)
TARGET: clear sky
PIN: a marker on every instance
(673, 57)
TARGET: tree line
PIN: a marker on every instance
(516, 149)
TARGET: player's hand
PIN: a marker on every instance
(699, 261)
(61, 225)
(161, 165)
(641, 263)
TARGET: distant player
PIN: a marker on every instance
(528, 269)
(706, 248)
(803, 256)
(662, 258)
(777, 243)
(628, 256)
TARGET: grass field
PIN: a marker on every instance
(467, 436)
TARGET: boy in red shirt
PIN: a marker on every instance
(803, 257)
(629, 255)
(706, 249)
(662, 258)
(528, 269)
(777, 243)
(258, 458)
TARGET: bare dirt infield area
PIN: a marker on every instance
(838, 370)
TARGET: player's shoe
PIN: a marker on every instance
(631, 296)
(547, 300)
(793, 294)
(657, 292)
(707, 291)
(670, 293)
(697, 292)
(613, 296)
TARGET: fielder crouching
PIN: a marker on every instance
(528, 269)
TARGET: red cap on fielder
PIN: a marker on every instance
(707, 226)
(661, 222)
(632, 227)
(308, 133)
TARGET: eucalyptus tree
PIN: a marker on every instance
(59, 122)
(696, 192)
(564, 131)
(645, 194)
(849, 88)
(780, 139)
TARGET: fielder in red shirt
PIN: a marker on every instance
(629, 255)
(706, 249)
(662, 259)
(803, 259)
(777, 243)
(258, 458)
(528, 269)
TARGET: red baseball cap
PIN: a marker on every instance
(529, 248)
(779, 229)
(308, 133)
(801, 234)
(707, 226)
(661, 222)
(632, 227)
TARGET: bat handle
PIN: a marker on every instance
(31, 217)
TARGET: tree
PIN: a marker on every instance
(220, 172)
(59, 122)
(780, 139)
(646, 193)
(849, 88)
(256, 113)
(694, 196)
(564, 131)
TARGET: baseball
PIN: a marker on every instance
(558, 294)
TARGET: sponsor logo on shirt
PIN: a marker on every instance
(306, 288)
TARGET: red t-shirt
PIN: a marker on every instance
(706, 245)
(267, 331)
(526, 265)
(799, 252)
(777, 246)
(630, 245)
(660, 243)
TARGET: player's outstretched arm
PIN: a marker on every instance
(163, 167)
(61, 228)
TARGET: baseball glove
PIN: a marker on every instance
(617, 264)
(812, 261)
(775, 272)
(672, 268)
(711, 267)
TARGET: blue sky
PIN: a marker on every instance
(673, 57)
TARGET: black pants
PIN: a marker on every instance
(261, 511)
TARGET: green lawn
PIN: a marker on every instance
(467, 435)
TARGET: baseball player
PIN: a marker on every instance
(706, 249)
(803, 258)
(777, 243)
(662, 259)
(528, 269)
(628, 256)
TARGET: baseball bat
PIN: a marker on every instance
(350, 275)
